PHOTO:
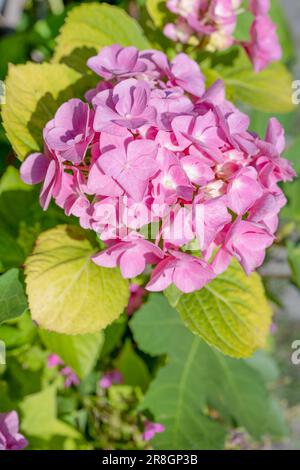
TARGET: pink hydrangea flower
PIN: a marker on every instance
(185, 73)
(158, 166)
(131, 166)
(264, 46)
(150, 429)
(212, 25)
(45, 167)
(117, 61)
(187, 272)
(110, 378)
(126, 105)
(71, 131)
(247, 241)
(130, 255)
(259, 7)
(10, 438)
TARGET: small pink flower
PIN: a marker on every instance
(202, 131)
(72, 197)
(116, 61)
(179, 32)
(211, 216)
(150, 429)
(137, 293)
(184, 72)
(126, 106)
(264, 46)
(131, 255)
(247, 241)
(45, 167)
(187, 272)
(10, 438)
(243, 190)
(71, 131)
(131, 166)
(54, 360)
(112, 377)
(70, 377)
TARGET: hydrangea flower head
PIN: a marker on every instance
(166, 172)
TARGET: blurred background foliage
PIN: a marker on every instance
(87, 416)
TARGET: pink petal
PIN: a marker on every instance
(33, 170)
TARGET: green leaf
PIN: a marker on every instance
(291, 211)
(294, 261)
(6, 403)
(265, 365)
(292, 189)
(89, 27)
(231, 313)
(259, 121)
(11, 181)
(195, 377)
(21, 333)
(292, 153)
(39, 416)
(267, 91)
(283, 30)
(242, 30)
(113, 336)
(67, 292)
(33, 94)
(12, 299)
(11, 254)
(158, 12)
(14, 48)
(80, 352)
(132, 367)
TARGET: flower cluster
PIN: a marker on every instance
(212, 23)
(165, 172)
(10, 438)
(71, 378)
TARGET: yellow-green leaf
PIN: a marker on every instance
(91, 26)
(39, 416)
(231, 313)
(267, 91)
(67, 292)
(159, 13)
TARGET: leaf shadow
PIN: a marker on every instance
(78, 58)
